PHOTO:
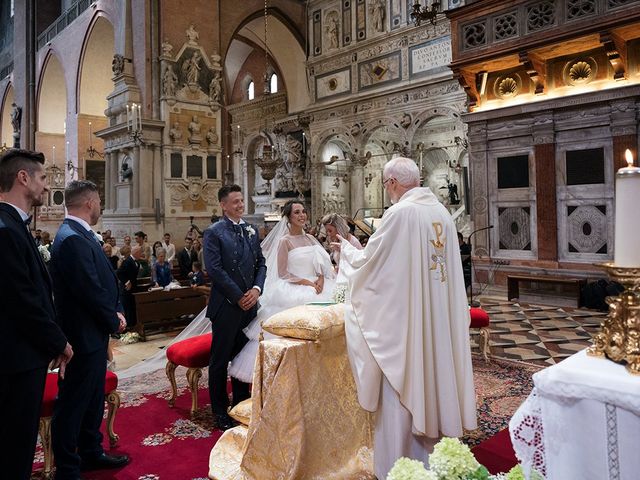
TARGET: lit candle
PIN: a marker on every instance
(128, 118)
(66, 153)
(139, 118)
(53, 153)
(304, 141)
(134, 119)
(627, 219)
(90, 135)
(238, 138)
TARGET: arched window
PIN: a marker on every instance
(251, 94)
(273, 83)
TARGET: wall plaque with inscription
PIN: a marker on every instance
(430, 57)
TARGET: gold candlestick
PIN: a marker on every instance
(619, 335)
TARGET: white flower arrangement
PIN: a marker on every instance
(44, 253)
(452, 460)
(340, 293)
(130, 337)
(250, 230)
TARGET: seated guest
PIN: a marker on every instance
(154, 254)
(113, 259)
(196, 276)
(162, 269)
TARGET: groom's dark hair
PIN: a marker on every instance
(226, 190)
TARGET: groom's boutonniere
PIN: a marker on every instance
(250, 231)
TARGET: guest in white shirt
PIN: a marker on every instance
(169, 247)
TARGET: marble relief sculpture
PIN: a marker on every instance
(192, 35)
(175, 134)
(212, 136)
(333, 30)
(191, 68)
(377, 9)
(169, 82)
(194, 130)
(215, 88)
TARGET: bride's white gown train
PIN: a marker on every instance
(303, 262)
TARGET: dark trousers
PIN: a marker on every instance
(228, 340)
(129, 306)
(20, 403)
(78, 412)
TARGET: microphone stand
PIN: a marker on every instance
(471, 302)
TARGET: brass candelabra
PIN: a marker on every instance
(619, 335)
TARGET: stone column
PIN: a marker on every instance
(546, 205)
(357, 189)
(245, 184)
(108, 182)
(478, 163)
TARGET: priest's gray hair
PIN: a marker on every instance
(404, 170)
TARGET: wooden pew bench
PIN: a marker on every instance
(161, 310)
(574, 285)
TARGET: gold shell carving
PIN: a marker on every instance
(508, 87)
(580, 72)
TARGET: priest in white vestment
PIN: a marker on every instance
(407, 323)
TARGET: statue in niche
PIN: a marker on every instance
(192, 35)
(212, 136)
(175, 134)
(117, 65)
(191, 68)
(194, 130)
(126, 172)
(284, 182)
(16, 117)
(377, 9)
(263, 189)
(294, 150)
(333, 30)
(167, 48)
(169, 82)
(452, 189)
(215, 88)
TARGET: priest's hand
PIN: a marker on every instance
(319, 284)
(335, 246)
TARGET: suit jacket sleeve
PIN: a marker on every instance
(79, 268)
(220, 278)
(36, 322)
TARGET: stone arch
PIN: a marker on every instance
(341, 134)
(285, 48)
(395, 129)
(6, 128)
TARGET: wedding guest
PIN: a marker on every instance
(200, 250)
(127, 240)
(106, 235)
(169, 247)
(154, 255)
(108, 252)
(38, 236)
(162, 269)
(30, 336)
(114, 249)
(140, 238)
(237, 264)
(196, 276)
(186, 257)
(127, 273)
(88, 309)
(408, 339)
(335, 225)
(46, 239)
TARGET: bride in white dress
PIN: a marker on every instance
(299, 271)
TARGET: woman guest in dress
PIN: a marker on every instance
(335, 225)
(162, 269)
(154, 255)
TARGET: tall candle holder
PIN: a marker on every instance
(619, 335)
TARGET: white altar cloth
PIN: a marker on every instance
(581, 421)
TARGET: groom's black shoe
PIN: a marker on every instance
(104, 461)
(224, 421)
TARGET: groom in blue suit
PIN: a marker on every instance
(237, 268)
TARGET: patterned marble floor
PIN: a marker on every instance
(538, 334)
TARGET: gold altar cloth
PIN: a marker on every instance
(306, 422)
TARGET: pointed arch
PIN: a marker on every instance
(6, 128)
(52, 96)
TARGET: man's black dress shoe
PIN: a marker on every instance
(224, 421)
(104, 461)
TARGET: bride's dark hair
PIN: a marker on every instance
(288, 207)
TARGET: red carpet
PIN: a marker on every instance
(163, 443)
(496, 453)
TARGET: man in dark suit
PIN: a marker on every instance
(186, 257)
(87, 303)
(234, 259)
(128, 275)
(30, 337)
